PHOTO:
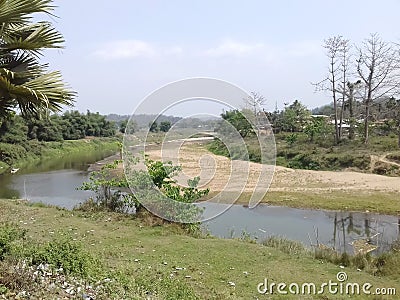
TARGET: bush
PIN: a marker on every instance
(34, 147)
(10, 153)
(304, 161)
(63, 252)
(337, 161)
(383, 168)
(9, 234)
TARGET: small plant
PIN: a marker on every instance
(105, 184)
(63, 252)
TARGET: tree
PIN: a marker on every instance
(316, 126)
(153, 126)
(238, 120)
(378, 66)
(337, 51)
(13, 130)
(295, 117)
(255, 101)
(25, 83)
(165, 126)
(122, 125)
(352, 121)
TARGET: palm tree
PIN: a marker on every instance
(25, 83)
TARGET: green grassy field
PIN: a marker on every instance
(147, 260)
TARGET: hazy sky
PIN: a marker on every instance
(117, 52)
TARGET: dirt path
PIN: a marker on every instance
(383, 158)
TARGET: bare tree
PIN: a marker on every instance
(255, 101)
(345, 56)
(378, 66)
(352, 87)
(337, 51)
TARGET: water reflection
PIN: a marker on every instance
(337, 230)
(52, 181)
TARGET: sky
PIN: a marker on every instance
(118, 52)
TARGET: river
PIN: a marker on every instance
(55, 182)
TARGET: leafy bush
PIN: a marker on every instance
(10, 153)
(304, 161)
(335, 161)
(159, 178)
(8, 235)
(34, 147)
(63, 252)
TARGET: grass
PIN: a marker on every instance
(383, 265)
(376, 202)
(162, 262)
(379, 202)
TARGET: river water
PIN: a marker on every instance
(55, 182)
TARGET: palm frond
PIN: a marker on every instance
(21, 68)
(47, 91)
(24, 82)
(20, 11)
(33, 37)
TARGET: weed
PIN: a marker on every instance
(285, 245)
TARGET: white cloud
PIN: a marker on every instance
(125, 49)
(277, 54)
(233, 48)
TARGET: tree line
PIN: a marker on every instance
(71, 125)
(318, 123)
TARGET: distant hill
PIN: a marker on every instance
(143, 120)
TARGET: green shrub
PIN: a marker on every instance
(63, 252)
(304, 161)
(34, 147)
(9, 234)
(10, 153)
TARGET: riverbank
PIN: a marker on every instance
(20, 156)
(332, 190)
(380, 156)
(140, 260)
